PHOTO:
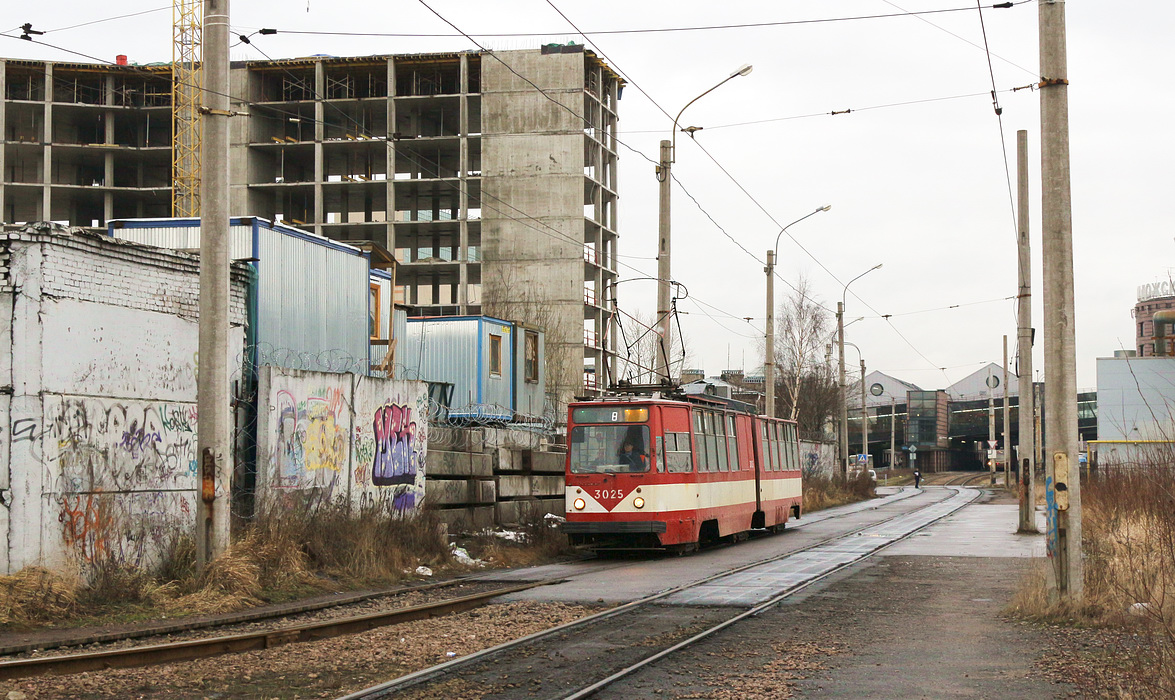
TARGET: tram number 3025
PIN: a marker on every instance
(608, 494)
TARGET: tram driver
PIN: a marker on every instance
(636, 460)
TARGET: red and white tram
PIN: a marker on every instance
(655, 473)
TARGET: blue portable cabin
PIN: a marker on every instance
(474, 354)
(530, 380)
(312, 302)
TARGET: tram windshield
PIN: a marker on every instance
(609, 449)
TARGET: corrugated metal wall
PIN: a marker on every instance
(444, 351)
(186, 237)
(312, 294)
(312, 301)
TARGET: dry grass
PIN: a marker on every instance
(286, 552)
(1129, 546)
(34, 595)
(822, 492)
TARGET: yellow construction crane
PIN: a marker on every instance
(187, 16)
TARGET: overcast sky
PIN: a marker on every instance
(918, 187)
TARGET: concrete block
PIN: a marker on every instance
(447, 463)
(459, 492)
(472, 519)
(514, 512)
(525, 486)
(529, 510)
(548, 462)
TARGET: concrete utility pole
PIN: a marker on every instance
(664, 280)
(844, 407)
(1027, 410)
(893, 455)
(990, 427)
(213, 404)
(663, 258)
(864, 417)
(769, 360)
(1007, 444)
(1060, 353)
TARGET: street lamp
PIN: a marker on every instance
(844, 409)
(864, 410)
(769, 362)
(668, 155)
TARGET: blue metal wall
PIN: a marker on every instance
(456, 349)
(312, 295)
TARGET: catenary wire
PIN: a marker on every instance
(660, 30)
(961, 38)
(744, 190)
(838, 112)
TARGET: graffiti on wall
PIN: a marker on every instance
(310, 442)
(120, 474)
(110, 445)
(395, 448)
(124, 528)
(342, 437)
(390, 447)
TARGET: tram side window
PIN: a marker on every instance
(764, 452)
(776, 452)
(659, 458)
(677, 453)
(720, 441)
(700, 442)
(794, 446)
(732, 443)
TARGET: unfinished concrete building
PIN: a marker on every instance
(495, 196)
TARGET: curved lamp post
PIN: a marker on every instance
(769, 360)
(844, 409)
(668, 155)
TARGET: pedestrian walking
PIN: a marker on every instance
(917, 478)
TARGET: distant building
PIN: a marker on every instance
(1136, 410)
(1152, 297)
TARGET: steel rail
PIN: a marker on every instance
(236, 619)
(228, 620)
(426, 674)
(267, 639)
(757, 610)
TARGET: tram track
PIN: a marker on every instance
(190, 649)
(103, 651)
(842, 550)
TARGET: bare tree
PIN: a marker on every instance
(805, 391)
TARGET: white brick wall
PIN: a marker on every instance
(102, 362)
(108, 271)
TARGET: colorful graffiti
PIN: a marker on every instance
(395, 451)
(120, 445)
(311, 442)
(121, 474)
(343, 437)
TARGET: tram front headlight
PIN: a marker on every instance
(638, 502)
(579, 504)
